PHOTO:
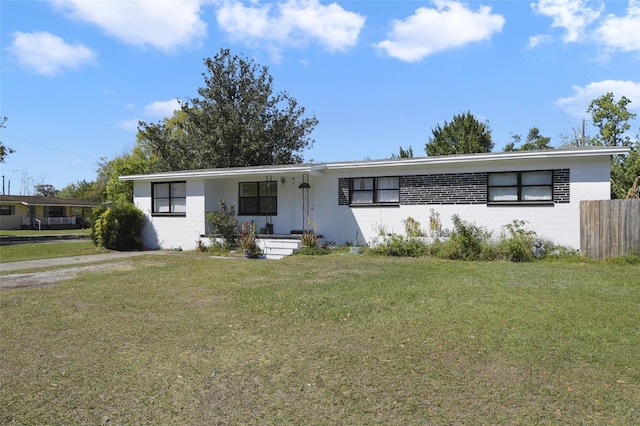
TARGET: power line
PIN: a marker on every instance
(50, 148)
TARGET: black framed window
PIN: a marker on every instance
(380, 190)
(258, 198)
(7, 210)
(520, 187)
(169, 198)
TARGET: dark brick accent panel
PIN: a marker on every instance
(343, 191)
(454, 188)
(450, 188)
(561, 180)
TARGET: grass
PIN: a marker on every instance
(44, 232)
(337, 339)
(18, 252)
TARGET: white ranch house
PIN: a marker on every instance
(350, 200)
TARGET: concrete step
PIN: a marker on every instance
(277, 249)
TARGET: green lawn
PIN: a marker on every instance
(18, 252)
(338, 339)
(44, 232)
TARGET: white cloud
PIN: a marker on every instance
(537, 40)
(162, 109)
(129, 125)
(577, 104)
(571, 15)
(164, 25)
(451, 24)
(290, 23)
(48, 54)
(621, 33)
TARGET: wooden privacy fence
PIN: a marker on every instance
(609, 228)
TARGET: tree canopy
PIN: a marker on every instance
(612, 120)
(534, 141)
(403, 153)
(45, 190)
(236, 121)
(465, 134)
(83, 190)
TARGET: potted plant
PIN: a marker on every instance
(248, 241)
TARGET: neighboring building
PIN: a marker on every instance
(37, 212)
(350, 201)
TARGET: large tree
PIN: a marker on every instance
(236, 121)
(534, 141)
(612, 120)
(464, 135)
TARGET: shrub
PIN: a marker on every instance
(397, 245)
(520, 245)
(217, 248)
(224, 222)
(468, 241)
(119, 228)
(314, 251)
(412, 228)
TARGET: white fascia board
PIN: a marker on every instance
(479, 158)
(221, 173)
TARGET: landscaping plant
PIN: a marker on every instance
(224, 222)
(119, 227)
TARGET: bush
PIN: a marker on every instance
(224, 222)
(412, 228)
(468, 241)
(314, 251)
(520, 245)
(397, 245)
(119, 228)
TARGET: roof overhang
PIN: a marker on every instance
(236, 171)
(316, 169)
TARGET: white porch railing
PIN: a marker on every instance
(27, 221)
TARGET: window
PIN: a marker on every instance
(520, 187)
(382, 190)
(7, 210)
(54, 211)
(169, 198)
(258, 198)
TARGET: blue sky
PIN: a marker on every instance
(77, 75)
